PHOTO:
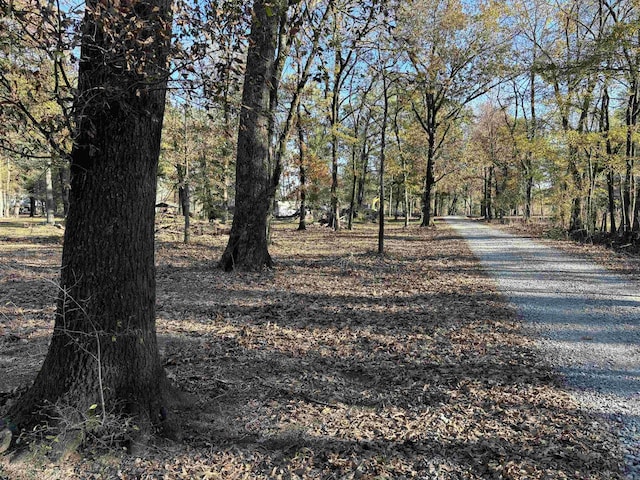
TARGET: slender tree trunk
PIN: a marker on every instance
(256, 183)
(50, 203)
(436, 201)
(407, 212)
(208, 202)
(352, 200)
(362, 182)
(335, 204)
(184, 200)
(7, 198)
(338, 70)
(302, 224)
(528, 163)
(612, 201)
(429, 183)
(185, 190)
(575, 223)
(405, 179)
(626, 196)
(483, 203)
(489, 194)
(383, 145)
(633, 112)
(104, 350)
(430, 126)
(591, 215)
(364, 162)
(635, 227)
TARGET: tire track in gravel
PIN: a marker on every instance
(586, 320)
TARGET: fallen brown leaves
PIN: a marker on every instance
(344, 364)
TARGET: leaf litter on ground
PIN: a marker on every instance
(337, 364)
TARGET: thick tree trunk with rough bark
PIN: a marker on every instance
(63, 175)
(255, 182)
(104, 352)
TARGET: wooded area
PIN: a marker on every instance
(118, 114)
(493, 109)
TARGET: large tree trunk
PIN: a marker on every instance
(63, 175)
(255, 183)
(227, 152)
(103, 356)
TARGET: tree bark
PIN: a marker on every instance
(184, 196)
(104, 350)
(632, 114)
(63, 174)
(302, 146)
(354, 182)
(49, 201)
(430, 124)
(531, 134)
(335, 202)
(383, 146)
(429, 183)
(255, 183)
(488, 202)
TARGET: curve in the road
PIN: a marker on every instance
(586, 320)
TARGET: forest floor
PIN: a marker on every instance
(337, 364)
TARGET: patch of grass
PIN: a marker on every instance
(27, 231)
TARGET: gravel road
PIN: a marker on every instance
(586, 321)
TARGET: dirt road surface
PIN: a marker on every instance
(586, 320)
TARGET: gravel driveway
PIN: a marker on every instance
(585, 318)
